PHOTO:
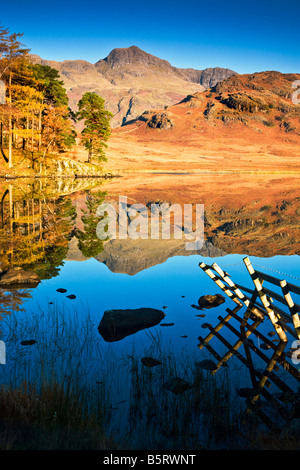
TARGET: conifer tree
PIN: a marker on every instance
(96, 129)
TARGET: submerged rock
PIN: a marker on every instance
(205, 325)
(117, 324)
(18, 277)
(28, 342)
(177, 385)
(206, 364)
(247, 392)
(150, 362)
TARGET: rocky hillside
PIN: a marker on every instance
(132, 81)
(244, 123)
(258, 101)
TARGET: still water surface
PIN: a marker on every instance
(49, 228)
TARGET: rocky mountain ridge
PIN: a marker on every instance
(131, 81)
(258, 101)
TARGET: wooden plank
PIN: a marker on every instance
(234, 349)
(208, 270)
(294, 308)
(226, 278)
(256, 308)
(279, 298)
(217, 328)
(285, 364)
(276, 281)
(210, 349)
(276, 354)
(265, 301)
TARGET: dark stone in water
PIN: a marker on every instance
(117, 324)
(209, 301)
(247, 392)
(72, 296)
(150, 361)
(206, 364)
(61, 290)
(177, 385)
(28, 342)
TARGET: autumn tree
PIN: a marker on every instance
(11, 52)
(36, 120)
(58, 133)
(96, 129)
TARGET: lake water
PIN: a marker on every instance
(49, 228)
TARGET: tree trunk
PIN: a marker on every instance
(1, 142)
(10, 126)
(90, 156)
(32, 133)
(40, 131)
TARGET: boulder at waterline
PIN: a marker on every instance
(117, 324)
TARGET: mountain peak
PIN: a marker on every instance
(132, 55)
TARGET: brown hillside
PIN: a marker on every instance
(246, 122)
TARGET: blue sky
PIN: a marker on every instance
(244, 36)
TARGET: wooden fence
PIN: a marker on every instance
(259, 300)
(259, 305)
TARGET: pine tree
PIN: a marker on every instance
(96, 125)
